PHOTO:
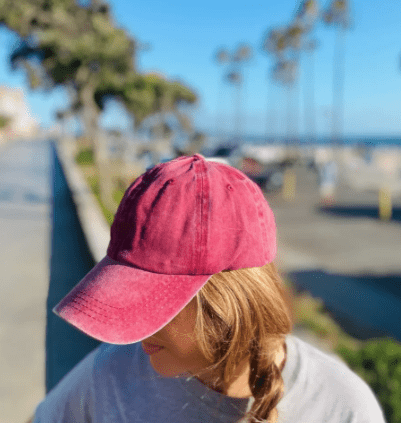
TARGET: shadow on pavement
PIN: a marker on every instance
(364, 306)
(359, 211)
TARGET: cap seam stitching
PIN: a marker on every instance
(198, 265)
(262, 225)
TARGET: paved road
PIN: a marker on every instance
(345, 239)
(24, 246)
(344, 255)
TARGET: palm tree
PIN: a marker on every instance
(222, 57)
(234, 76)
(295, 34)
(242, 55)
(307, 15)
(338, 15)
(285, 72)
(309, 93)
(275, 44)
(285, 44)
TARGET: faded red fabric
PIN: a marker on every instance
(176, 226)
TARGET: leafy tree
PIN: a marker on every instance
(146, 95)
(65, 44)
(79, 47)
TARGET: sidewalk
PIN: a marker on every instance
(24, 244)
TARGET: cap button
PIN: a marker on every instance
(198, 157)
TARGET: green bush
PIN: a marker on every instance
(4, 121)
(85, 157)
(93, 182)
(118, 195)
(378, 362)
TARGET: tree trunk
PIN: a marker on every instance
(68, 115)
(295, 98)
(271, 118)
(90, 119)
(219, 112)
(238, 110)
(309, 99)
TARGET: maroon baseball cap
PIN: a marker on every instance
(177, 225)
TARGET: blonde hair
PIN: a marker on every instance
(245, 314)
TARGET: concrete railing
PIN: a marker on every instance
(93, 222)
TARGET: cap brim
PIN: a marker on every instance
(120, 304)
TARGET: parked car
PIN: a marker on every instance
(268, 176)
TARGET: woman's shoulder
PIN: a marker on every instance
(325, 375)
(323, 365)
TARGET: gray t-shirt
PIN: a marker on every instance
(116, 383)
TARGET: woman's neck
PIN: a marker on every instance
(239, 385)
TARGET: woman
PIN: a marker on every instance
(194, 317)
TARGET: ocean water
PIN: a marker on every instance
(356, 141)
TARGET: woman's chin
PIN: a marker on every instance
(166, 368)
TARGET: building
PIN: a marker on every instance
(13, 106)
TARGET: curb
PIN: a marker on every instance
(94, 224)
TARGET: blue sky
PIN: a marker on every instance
(183, 37)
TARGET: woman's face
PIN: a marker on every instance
(180, 355)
